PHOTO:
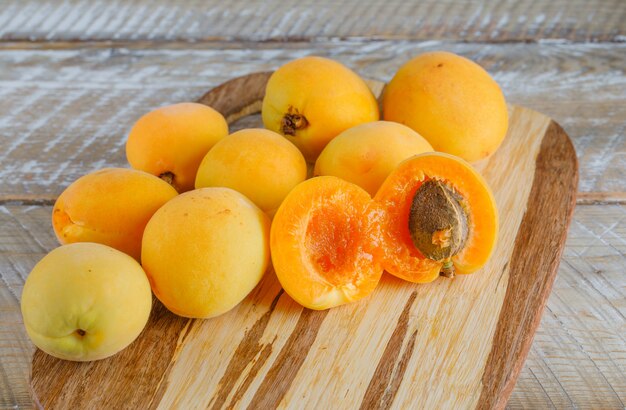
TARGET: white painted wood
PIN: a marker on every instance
(508, 20)
(67, 112)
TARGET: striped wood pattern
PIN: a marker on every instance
(583, 323)
(306, 20)
(270, 352)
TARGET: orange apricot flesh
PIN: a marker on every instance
(402, 258)
(325, 243)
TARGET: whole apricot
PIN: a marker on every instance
(366, 154)
(312, 99)
(85, 301)
(259, 163)
(205, 250)
(171, 141)
(451, 101)
(111, 206)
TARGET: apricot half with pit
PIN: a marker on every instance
(441, 218)
(312, 99)
(366, 154)
(451, 101)
(259, 163)
(205, 250)
(111, 206)
(325, 242)
(171, 141)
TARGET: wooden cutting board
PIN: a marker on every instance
(456, 343)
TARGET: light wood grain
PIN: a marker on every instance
(297, 356)
(67, 112)
(577, 358)
(509, 20)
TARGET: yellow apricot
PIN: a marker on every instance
(111, 206)
(170, 141)
(205, 250)
(312, 99)
(366, 154)
(259, 163)
(451, 101)
(85, 301)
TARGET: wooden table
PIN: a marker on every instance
(74, 75)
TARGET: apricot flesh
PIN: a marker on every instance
(170, 142)
(259, 163)
(451, 101)
(324, 242)
(396, 196)
(366, 154)
(311, 100)
(85, 301)
(205, 250)
(111, 206)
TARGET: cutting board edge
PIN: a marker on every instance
(517, 332)
(493, 395)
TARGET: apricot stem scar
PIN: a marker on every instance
(293, 121)
(167, 177)
(447, 269)
(80, 332)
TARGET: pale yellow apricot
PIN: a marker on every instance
(85, 301)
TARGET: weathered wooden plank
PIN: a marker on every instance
(67, 112)
(509, 20)
(578, 355)
(581, 342)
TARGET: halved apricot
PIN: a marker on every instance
(440, 218)
(325, 243)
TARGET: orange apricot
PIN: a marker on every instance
(111, 206)
(451, 101)
(366, 154)
(259, 163)
(171, 141)
(325, 242)
(441, 218)
(312, 99)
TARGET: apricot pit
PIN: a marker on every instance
(441, 218)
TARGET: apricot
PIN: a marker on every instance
(366, 154)
(324, 241)
(171, 141)
(441, 218)
(259, 163)
(451, 101)
(205, 250)
(111, 206)
(312, 99)
(85, 301)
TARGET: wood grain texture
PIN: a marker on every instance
(318, 361)
(576, 361)
(289, 20)
(65, 113)
(536, 250)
